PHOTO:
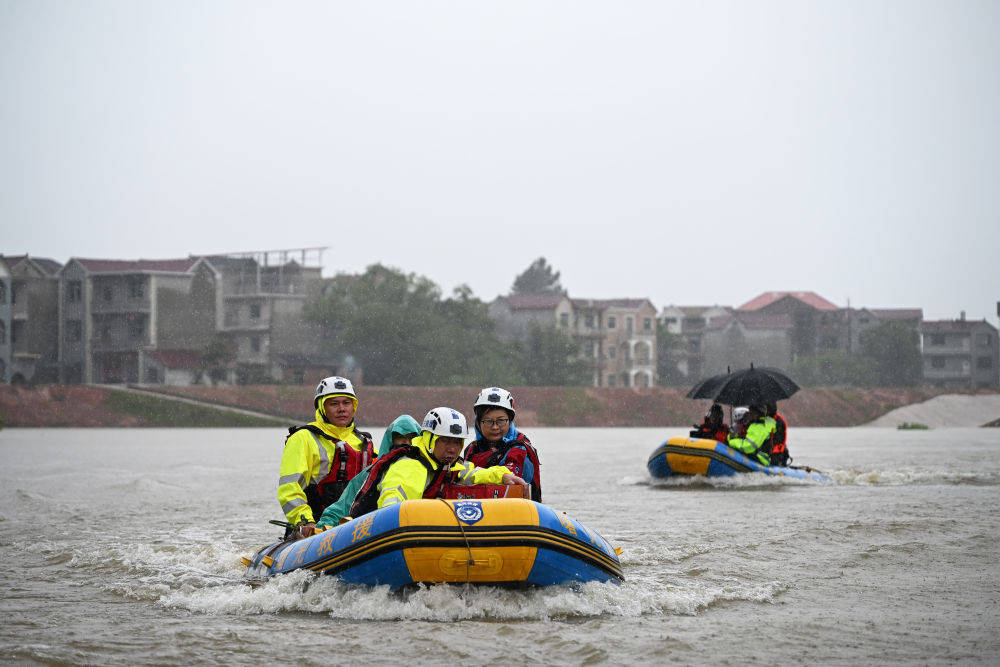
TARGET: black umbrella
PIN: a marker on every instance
(708, 387)
(745, 387)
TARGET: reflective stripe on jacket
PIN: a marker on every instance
(408, 478)
(305, 461)
(755, 443)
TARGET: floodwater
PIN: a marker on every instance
(122, 546)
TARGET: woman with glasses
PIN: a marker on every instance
(498, 442)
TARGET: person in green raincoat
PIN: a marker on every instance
(399, 433)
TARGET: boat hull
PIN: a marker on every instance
(686, 456)
(491, 541)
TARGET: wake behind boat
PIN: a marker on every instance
(504, 541)
(686, 456)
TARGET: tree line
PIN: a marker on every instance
(401, 330)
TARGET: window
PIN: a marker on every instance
(670, 320)
(3, 333)
(937, 362)
(588, 321)
(3, 292)
(984, 362)
(862, 320)
(74, 330)
(611, 380)
(611, 352)
(564, 319)
(628, 324)
(255, 343)
(612, 323)
(74, 290)
(647, 324)
(937, 339)
(107, 293)
(17, 332)
(255, 311)
(136, 328)
(830, 342)
(135, 288)
(984, 340)
(13, 293)
(106, 334)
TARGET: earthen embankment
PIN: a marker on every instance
(537, 406)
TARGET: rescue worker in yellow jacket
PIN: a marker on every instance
(756, 444)
(423, 469)
(321, 457)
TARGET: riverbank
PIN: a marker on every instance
(92, 406)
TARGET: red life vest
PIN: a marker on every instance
(511, 455)
(780, 434)
(346, 464)
(706, 430)
(367, 499)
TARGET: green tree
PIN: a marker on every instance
(893, 350)
(832, 369)
(548, 358)
(402, 332)
(539, 278)
(669, 349)
(217, 358)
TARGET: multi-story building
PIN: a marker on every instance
(260, 298)
(150, 320)
(515, 313)
(817, 325)
(689, 324)
(960, 353)
(863, 319)
(741, 338)
(112, 309)
(617, 337)
(31, 331)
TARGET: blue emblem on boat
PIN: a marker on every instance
(469, 511)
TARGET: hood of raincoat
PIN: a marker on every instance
(339, 432)
(403, 425)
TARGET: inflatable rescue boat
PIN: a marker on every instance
(503, 541)
(687, 456)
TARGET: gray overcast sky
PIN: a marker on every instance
(689, 152)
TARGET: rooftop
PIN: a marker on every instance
(808, 298)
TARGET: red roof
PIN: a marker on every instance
(808, 298)
(137, 265)
(533, 301)
(177, 358)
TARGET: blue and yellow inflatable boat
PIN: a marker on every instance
(506, 541)
(686, 456)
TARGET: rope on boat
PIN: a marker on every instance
(471, 561)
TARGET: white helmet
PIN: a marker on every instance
(334, 386)
(495, 397)
(739, 414)
(446, 422)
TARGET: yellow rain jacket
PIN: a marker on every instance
(754, 445)
(306, 461)
(407, 478)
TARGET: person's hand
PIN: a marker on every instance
(513, 480)
(307, 529)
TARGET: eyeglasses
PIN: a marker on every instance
(503, 421)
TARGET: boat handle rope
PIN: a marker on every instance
(469, 563)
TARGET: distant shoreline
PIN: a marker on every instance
(280, 405)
